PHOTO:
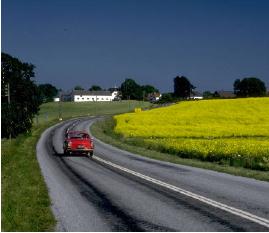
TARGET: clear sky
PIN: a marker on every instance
(102, 42)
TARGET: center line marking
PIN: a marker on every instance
(235, 211)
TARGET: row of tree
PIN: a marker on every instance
(129, 89)
(249, 87)
(92, 88)
(183, 89)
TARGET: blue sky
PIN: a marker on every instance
(86, 42)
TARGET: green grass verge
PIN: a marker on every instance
(103, 130)
(25, 201)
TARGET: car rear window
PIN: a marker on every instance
(78, 136)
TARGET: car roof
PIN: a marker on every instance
(76, 132)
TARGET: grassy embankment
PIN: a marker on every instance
(225, 135)
(25, 201)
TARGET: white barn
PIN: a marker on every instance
(196, 95)
(88, 96)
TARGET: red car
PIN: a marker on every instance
(78, 142)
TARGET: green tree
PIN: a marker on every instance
(166, 98)
(47, 92)
(95, 88)
(182, 87)
(237, 86)
(148, 89)
(20, 105)
(249, 87)
(131, 90)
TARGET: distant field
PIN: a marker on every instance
(53, 110)
(232, 131)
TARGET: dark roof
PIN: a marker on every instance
(82, 92)
(226, 94)
(154, 94)
(113, 89)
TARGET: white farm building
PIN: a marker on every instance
(87, 96)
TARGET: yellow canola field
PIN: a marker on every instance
(235, 130)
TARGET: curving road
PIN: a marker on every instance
(121, 191)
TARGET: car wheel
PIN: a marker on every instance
(66, 152)
(90, 154)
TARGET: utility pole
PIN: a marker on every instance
(95, 106)
(8, 93)
(143, 98)
(9, 101)
(60, 111)
(129, 106)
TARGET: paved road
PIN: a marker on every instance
(120, 191)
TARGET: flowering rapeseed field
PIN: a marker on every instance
(234, 131)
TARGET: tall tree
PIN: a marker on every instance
(95, 88)
(148, 89)
(249, 87)
(131, 90)
(237, 86)
(182, 87)
(47, 92)
(166, 98)
(19, 96)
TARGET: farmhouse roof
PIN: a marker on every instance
(196, 93)
(154, 94)
(226, 94)
(92, 93)
(112, 89)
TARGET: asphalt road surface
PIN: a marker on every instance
(120, 191)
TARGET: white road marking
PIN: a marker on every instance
(232, 210)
